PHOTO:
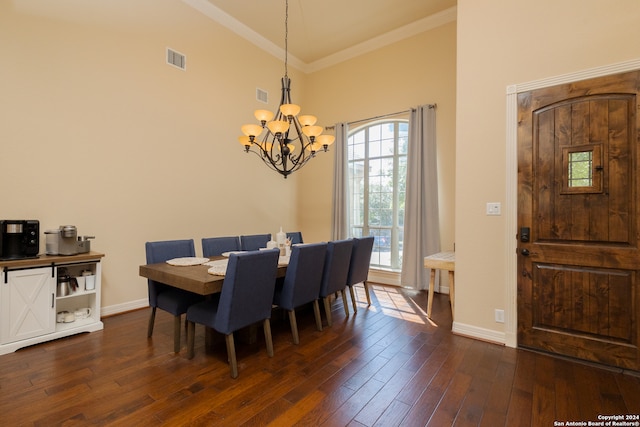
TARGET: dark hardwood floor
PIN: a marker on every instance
(387, 365)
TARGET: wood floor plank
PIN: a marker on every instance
(386, 365)
(426, 405)
(377, 406)
(544, 393)
(565, 393)
(495, 410)
(352, 406)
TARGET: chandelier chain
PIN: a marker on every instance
(286, 37)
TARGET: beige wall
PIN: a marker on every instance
(499, 44)
(97, 131)
(416, 71)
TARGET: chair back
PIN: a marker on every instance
(160, 252)
(360, 260)
(336, 266)
(254, 242)
(304, 273)
(295, 237)
(215, 246)
(247, 290)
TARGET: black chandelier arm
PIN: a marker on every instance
(268, 161)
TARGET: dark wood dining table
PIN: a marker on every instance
(197, 279)
(194, 278)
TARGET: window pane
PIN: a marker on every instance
(387, 169)
(388, 146)
(375, 167)
(374, 149)
(580, 169)
(374, 132)
(388, 131)
(403, 143)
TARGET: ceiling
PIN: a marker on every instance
(324, 32)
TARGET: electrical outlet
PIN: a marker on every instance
(499, 315)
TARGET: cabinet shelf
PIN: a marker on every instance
(76, 294)
(76, 324)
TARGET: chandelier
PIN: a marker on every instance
(284, 140)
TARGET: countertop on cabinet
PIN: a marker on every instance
(43, 260)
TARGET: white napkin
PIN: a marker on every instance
(218, 267)
(187, 261)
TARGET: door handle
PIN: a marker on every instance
(525, 252)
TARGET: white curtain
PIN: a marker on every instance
(421, 221)
(339, 228)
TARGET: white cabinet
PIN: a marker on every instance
(32, 308)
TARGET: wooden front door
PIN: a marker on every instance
(578, 222)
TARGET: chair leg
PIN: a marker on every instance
(327, 310)
(294, 326)
(177, 323)
(316, 312)
(266, 325)
(231, 354)
(366, 291)
(353, 299)
(344, 303)
(152, 320)
(191, 332)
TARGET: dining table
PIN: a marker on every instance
(192, 278)
(198, 279)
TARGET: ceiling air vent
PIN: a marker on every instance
(262, 95)
(176, 59)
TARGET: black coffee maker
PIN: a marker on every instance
(19, 239)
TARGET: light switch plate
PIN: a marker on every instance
(493, 208)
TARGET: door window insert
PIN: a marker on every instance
(582, 169)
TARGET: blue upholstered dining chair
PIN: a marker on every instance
(301, 284)
(245, 299)
(295, 237)
(334, 275)
(254, 242)
(213, 246)
(359, 267)
(165, 297)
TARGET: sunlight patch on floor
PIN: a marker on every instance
(393, 303)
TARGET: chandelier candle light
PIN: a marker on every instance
(284, 140)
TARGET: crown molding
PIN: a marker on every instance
(243, 31)
(410, 30)
(417, 27)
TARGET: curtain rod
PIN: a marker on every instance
(382, 116)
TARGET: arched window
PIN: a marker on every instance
(377, 169)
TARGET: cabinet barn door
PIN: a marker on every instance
(578, 198)
(27, 300)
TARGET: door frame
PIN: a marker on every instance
(511, 197)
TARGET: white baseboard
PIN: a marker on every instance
(384, 277)
(479, 333)
(124, 307)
